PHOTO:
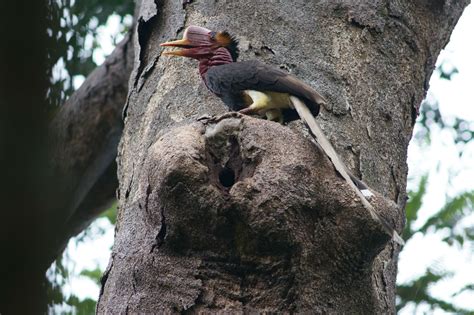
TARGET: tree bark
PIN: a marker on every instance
(242, 214)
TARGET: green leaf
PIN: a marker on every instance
(452, 212)
(417, 292)
(82, 307)
(69, 25)
(469, 287)
(414, 203)
(94, 274)
(111, 213)
(446, 71)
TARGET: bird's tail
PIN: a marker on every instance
(309, 119)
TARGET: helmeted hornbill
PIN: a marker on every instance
(254, 87)
(246, 86)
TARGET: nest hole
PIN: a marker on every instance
(227, 177)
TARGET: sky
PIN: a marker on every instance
(449, 174)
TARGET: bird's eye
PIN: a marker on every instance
(212, 35)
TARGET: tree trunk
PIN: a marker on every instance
(242, 214)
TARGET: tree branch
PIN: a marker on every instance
(86, 133)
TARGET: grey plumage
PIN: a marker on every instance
(230, 80)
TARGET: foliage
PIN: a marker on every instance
(94, 274)
(62, 272)
(447, 218)
(430, 116)
(82, 307)
(420, 287)
(111, 214)
(73, 35)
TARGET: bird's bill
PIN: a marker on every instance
(195, 43)
(177, 43)
(194, 52)
(182, 43)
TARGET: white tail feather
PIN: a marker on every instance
(367, 193)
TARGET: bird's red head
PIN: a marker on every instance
(201, 43)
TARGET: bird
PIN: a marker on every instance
(253, 87)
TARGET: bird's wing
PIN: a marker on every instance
(255, 75)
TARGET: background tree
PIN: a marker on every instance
(55, 181)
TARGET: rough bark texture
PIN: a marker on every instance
(246, 214)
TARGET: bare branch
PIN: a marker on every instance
(86, 133)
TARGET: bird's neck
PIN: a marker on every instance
(220, 57)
